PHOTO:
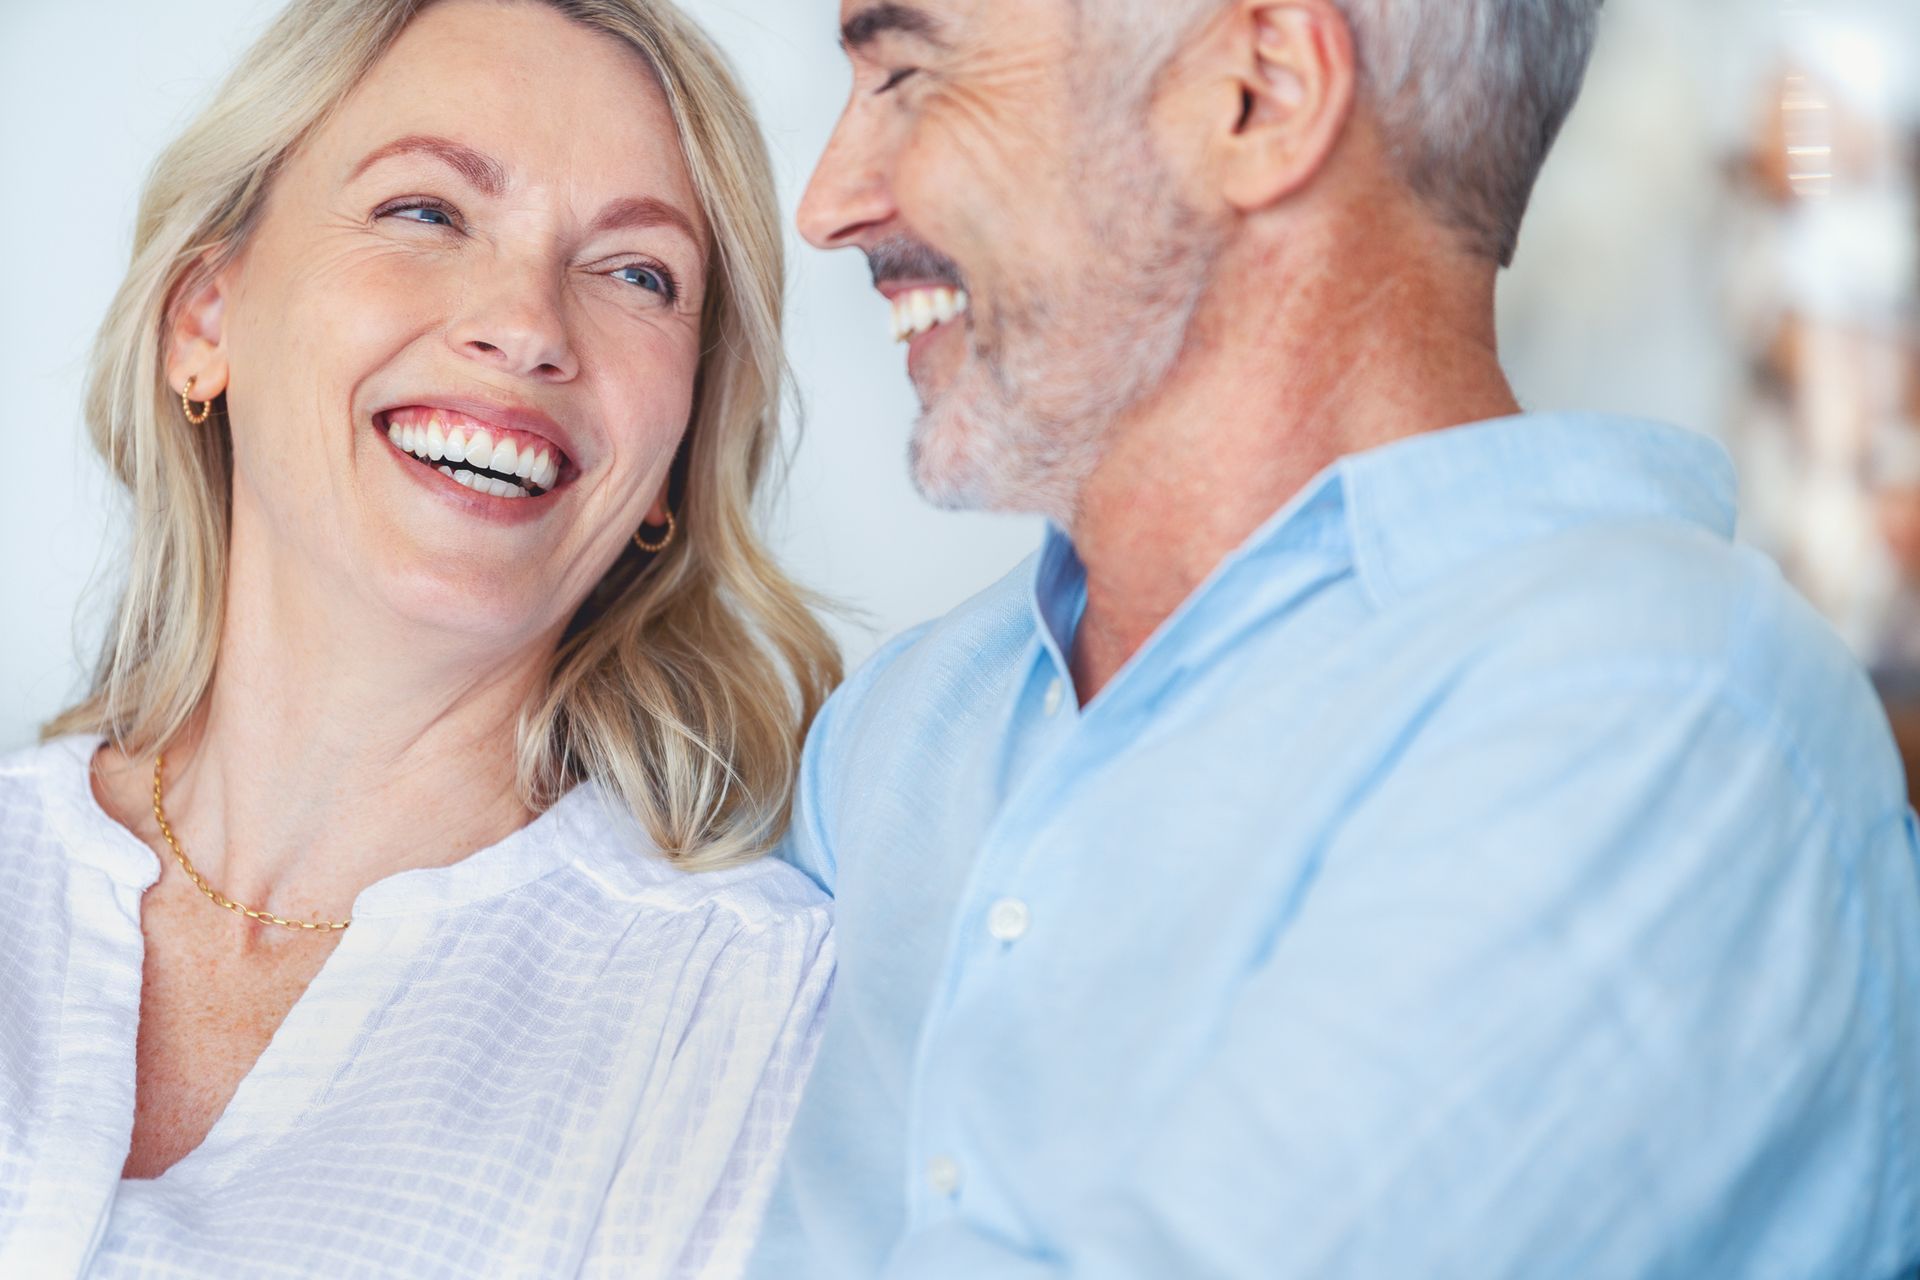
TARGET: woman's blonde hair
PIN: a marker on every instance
(685, 683)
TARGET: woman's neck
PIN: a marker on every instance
(335, 751)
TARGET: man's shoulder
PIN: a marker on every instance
(1664, 602)
(944, 665)
(918, 702)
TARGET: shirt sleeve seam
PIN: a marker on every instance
(1716, 683)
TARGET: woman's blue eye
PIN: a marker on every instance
(425, 214)
(647, 278)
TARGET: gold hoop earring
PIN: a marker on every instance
(186, 406)
(655, 548)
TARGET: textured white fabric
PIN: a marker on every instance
(557, 1057)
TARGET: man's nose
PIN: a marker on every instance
(849, 194)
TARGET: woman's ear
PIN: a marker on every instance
(196, 346)
(1295, 67)
(657, 513)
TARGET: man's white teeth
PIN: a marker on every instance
(916, 312)
(535, 467)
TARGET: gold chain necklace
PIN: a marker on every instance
(214, 895)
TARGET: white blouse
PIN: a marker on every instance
(558, 1057)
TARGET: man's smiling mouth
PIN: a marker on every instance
(485, 458)
(919, 311)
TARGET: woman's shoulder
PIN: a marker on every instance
(38, 778)
(40, 758)
(757, 936)
(609, 846)
(49, 817)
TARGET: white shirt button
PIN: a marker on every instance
(1056, 694)
(943, 1175)
(1009, 919)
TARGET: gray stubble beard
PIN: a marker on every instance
(1031, 414)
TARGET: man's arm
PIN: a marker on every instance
(809, 844)
(806, 845)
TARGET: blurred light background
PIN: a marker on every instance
(1726, 238)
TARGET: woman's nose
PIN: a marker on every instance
(516, 323)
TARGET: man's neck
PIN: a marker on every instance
(1269, 394)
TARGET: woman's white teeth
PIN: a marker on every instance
(536, 468)
(916, 312)
(487, 484)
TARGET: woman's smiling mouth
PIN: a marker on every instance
(485, 457)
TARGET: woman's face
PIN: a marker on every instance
(492, 250)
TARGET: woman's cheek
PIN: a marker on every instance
(399, 284)
(651, 364)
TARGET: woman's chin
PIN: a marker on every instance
(493, 605)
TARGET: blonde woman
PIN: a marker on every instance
(392, 905)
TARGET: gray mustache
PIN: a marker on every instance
(903, 259)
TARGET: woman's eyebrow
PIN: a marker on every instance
(646, 211)
(486, 174)
(490, 177)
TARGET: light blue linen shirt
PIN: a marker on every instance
(1491, 871)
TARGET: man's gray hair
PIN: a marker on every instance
(1470, 94)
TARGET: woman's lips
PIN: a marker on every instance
(489, 458)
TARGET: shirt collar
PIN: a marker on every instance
(85, 830)
(1059, 593)
(1297, 545)
(1407, 513)
(1429, 504)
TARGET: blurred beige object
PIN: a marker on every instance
(1899, 511)
(1824, 284)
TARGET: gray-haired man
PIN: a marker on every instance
(1380, 834)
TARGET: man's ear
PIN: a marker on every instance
(1294, 65)
(196, 336)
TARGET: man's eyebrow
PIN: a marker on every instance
(868, 25)
(646, 211)
(483, 171)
